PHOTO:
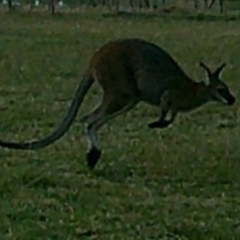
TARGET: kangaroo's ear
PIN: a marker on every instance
(206, 68)
(219, 69)
(208, 71)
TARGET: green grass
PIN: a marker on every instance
(182, 181)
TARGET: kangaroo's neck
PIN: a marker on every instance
(201, 93)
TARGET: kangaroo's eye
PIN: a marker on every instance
(221, 91)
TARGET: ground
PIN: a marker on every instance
(178, 183)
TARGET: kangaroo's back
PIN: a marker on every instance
(138, 66)
(136, 55)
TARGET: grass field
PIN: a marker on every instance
(178, 183)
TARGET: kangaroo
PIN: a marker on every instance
(130, 71)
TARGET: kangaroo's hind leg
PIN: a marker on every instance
(107, 110)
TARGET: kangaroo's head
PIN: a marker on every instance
(218, 90)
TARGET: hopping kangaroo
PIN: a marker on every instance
(130, 71)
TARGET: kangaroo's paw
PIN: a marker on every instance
(92, 157)
(159, 124)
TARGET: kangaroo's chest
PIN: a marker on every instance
(183, 101)
(151, 93)
(155, 73)
(152, 83)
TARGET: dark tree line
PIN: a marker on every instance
(132, 3)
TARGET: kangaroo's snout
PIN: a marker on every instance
(225, 96)
(231, 100)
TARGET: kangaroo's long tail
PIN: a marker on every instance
(64, 125)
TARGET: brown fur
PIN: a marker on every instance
(130, 71)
